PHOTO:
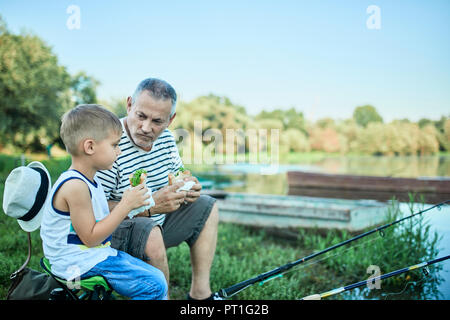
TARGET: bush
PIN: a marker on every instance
(294, 140)
(396, 138)
(325, 139)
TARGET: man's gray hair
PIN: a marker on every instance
(158, 89)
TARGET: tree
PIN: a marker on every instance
(84, 88)
(364, 115)
(374, 139)
(325, 123)
(34, 91)
(424, 122)
(118, 106)
(443, 128)
(207, 116)
(326, 139)
(290, 118)
(446, 135)
(428, 142)
(294, 140)
(350, 132)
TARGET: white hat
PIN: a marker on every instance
(26, 190)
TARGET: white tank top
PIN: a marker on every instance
(68, 256)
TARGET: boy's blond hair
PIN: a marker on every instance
(87, 121)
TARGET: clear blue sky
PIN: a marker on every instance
(317, 56)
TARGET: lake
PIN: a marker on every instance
(272, 179)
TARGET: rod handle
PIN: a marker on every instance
(313, 297)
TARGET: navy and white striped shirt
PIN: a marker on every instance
(161, 160)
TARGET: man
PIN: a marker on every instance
(146, 143)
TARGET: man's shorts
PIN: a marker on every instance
(183, 224)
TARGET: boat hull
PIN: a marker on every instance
(433, 190)
(278, 211)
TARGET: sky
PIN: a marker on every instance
(322, 57)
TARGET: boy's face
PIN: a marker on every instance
(107, 151)
(147, 119)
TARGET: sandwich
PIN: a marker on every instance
(179, 176)
(138, 177)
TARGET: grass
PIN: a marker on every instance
(244, 252)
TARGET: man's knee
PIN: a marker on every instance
(211, 225)
(214, 214)
(155, 248)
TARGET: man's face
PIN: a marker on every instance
(147, 119)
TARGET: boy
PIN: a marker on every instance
(77, 225)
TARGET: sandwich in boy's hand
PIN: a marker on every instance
(138, 177)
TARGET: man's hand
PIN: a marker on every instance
(167, 199)
(194, 193)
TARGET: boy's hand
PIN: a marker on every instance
(135, 197)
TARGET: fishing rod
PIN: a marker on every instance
(278, 272)
(377, 278)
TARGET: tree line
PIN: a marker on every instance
(364, 133)
(35, 90)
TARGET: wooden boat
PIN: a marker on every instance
(434, 190)
(280, 211)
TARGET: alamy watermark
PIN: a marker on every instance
(229, 146)
(374, 281)
(373, 22)
(75, 274)
(74, 20)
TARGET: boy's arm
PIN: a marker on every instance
(90, 232)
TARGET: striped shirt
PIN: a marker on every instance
(161, 160)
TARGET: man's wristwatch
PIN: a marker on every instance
(148, 212)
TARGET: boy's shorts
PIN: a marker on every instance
(131, 277)
(184, 224)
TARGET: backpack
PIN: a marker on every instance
(29, 284)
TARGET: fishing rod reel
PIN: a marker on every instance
(222, 294)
